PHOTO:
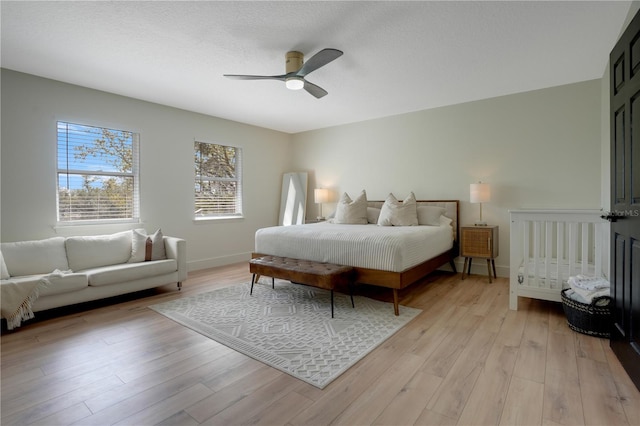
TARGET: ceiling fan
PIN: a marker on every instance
(297, 69)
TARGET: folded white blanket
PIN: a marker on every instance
(588, 283)
(584, 296)
(585, 289)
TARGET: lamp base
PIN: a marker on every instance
(480, 224)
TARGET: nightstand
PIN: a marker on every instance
(480, 242)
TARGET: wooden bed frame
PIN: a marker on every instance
(399, 280)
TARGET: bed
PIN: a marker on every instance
(386, 256)
(549, 246)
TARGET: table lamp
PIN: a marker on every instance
(480, 193)
(321, 195)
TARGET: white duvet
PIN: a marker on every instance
(387, 248)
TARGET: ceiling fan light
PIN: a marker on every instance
(294, 83)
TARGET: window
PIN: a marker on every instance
(97, 174)
(218, 186)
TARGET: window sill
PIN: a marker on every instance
(76, 228)
(216, 218)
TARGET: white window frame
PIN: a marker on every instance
(96, 171)
(199, 214)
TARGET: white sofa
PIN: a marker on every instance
(81, 269)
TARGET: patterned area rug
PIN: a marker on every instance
(290, 327)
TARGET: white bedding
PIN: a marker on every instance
(387, 248)
(554, 283)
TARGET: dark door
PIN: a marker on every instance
(625, 198)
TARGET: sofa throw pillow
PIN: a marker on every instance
(396, 213)
(35, 257)
(147, 247)
(430, 215)
(4, 272)
(98, 250)
(352, 211)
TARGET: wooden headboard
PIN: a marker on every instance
(452, 211)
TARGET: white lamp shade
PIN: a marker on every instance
(321, 195)
(479, 192)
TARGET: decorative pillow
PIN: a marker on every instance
(147, 247)
(430, 215)
(352, 212)
(98, 250)
(4, 273)
(395, 213)
(372, 215)
(35, 257)
(446, 221)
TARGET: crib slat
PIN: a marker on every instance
(559, 253)
(548, 251)
(527, 232)
(597, 257)
(536, 253)
(585, 249)
(573, 240)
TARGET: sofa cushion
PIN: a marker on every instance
(130, 271)
(98, 250)
(63, 283)
(147, 247)
(35, 257)
(4, 272)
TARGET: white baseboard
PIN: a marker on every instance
(479, 266)
(213, 262)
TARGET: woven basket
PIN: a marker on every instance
(593, 319)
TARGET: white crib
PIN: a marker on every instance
(549, 246)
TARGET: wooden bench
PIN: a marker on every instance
(316, 274)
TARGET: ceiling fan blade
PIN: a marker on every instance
(316, 91)
(255, 77)
(318, 60)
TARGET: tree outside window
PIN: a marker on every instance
(218, 180)
(97, 174)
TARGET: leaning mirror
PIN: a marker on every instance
(293, 200)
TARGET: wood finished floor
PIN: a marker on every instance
(465, 360)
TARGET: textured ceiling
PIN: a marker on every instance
(398, 56)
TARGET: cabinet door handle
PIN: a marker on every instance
(489, 244)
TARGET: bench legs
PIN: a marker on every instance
(331, 303)
(254, 280)
(273, 286)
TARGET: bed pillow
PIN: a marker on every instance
(396, 213)
(352, 211)
(147, 247)
(430, 215)
(446, 221)
(372, 215)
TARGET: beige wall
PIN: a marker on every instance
(30, 108)
(539, 149)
